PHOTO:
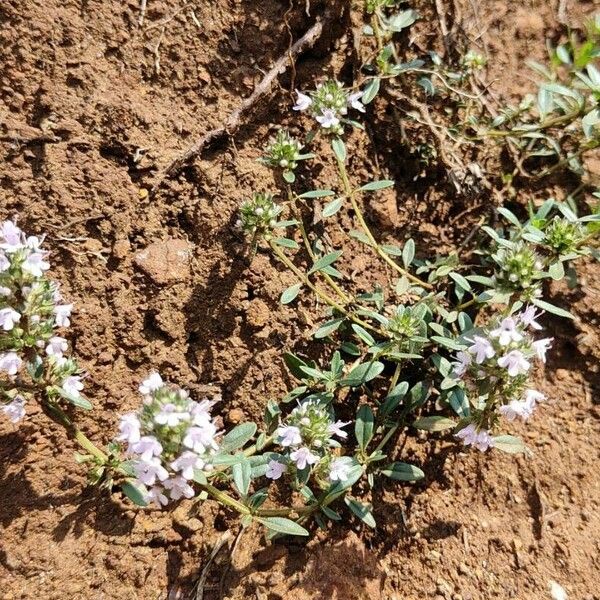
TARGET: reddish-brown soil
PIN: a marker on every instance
(121, 102)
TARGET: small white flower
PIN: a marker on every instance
(302, 457)
(201, 439)
(484, 441)
(515, 362)
(336, 429)
(10, 363)
(528, 317)
(186, 463)
(33, 242)
(481, 348)
(328, 118)
(4, 291)
(4, 263)
(354, 101)
(14, 410)
(56, 346)
(467, 434)
(171, 416)
(200, 412)
(62, 312)
(541, 346)
(8, 318)
(73, 385)
(35, 264)
(517, 408)
(275, 469)
(303, 101)
(149, 471)
(12, 236)
(151, 384)
(289, 435)
(534, 396)
(178, 487)
(340, 468)
(463, 360)
(507, 332)
(156, 495)
(129, 428)
(147, 447)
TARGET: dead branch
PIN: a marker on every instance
(232, 122)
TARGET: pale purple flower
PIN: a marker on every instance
(534, 396)
(328, 118)
(463, 360)
(148, 471)
(289, 435)
(484, 441)
(147, 447)
(528, 317)
(4, 263)
(507, 332)
(336, 429)
(201, 439)
(10, 363)
(303, 456)
(56, 346)
(35, 264)
(72, 385)
(354, 101)
(467, 434)
(4, 291)
(515, 362)
(200, 412)
(481, 348)
(12, 236)
(275, 469)
(541, 346)
(151, 384)
(8, 318)
(340, 469)
(170, 415)
(178, 487)
(129, 428)
(33, 242)
(156, 495)
(186, 463)
(517, 408)
(14, 410)
(62, 312)
(303, 101)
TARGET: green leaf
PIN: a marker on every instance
(393, 398)
(289, 176)
(363, 334)
(510, 444)
(350, 348)
(237, 437)
(339, 149)
(325, 261)
(317, 194)
(330, 209)
(242, 475)
(78, 401)
(294, 363)
(555, 310)
(401, 20)
(434, 423)
(362, 511)
(134, 493)
(334, 516)
(377, 185)
(408, 253)
(289, 294)
(286, 243)
(360, 236)
(282, 525)
(371, 90)
(362, 374)
(460, 281)
(363, 427)
(556, 270)
(447, 342)
(328, 328)
(403, 472)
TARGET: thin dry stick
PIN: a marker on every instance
(142, 12)
(198, 591)
(233, 120)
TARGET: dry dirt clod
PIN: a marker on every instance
(166, 261)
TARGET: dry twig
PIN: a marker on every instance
(232, 122)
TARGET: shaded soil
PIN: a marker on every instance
(119, 102)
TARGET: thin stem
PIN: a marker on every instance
(373, 242)
(226, 499)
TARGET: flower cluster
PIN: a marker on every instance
(284, 151)
(495, 369)
(307, 439)
(168, 440)
(259, 214)
(562, 236)
(329, 105)
(518, 271)
(408, 327)
(31, 310)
